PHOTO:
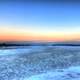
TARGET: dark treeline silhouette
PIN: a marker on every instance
(21, 44)
(13, 44)
(65, 44)
(37, 44)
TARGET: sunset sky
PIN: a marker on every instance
(39, 21)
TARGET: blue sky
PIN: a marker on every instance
(59, 14)
(47, 16)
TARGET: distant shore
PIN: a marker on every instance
(38, 44)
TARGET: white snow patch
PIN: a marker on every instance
(72, 73)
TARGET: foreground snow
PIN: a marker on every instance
(40, 63)
(72, 73)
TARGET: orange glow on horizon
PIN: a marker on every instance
(25, 35)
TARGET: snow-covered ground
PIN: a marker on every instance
(40, 63)
(72, 73)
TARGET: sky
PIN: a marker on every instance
(39, 21)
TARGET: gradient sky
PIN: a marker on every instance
(27, 21)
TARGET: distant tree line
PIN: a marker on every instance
(36, 44)
(13, 44)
